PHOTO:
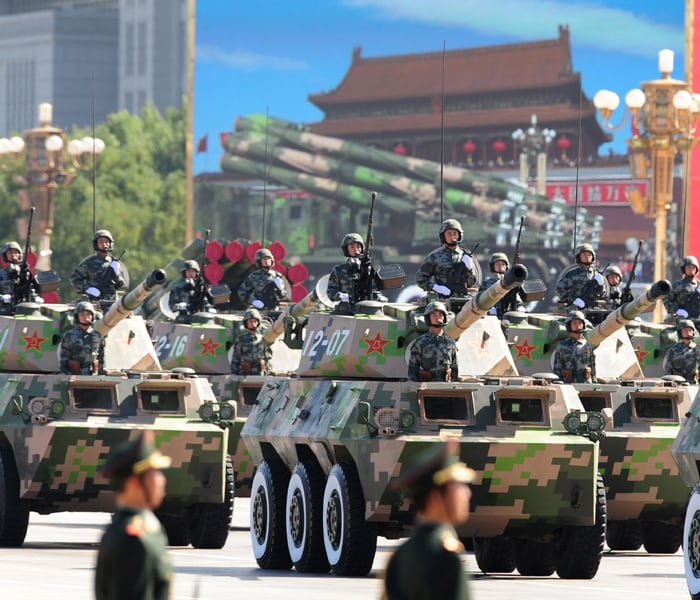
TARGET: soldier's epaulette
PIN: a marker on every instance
(135, 526)
(450, 542)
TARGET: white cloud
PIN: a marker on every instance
(592, 24)
(246, 60)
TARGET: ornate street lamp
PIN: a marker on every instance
(663, 115)
(48, 164)
(533, 152)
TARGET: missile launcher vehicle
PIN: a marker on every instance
(329, 441)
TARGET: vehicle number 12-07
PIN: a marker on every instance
(317, 344)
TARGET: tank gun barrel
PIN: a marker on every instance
(296, 310)
(480, 304)
(628, 311)
(125, 305)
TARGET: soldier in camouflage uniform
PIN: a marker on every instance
(498, 265)
(100, 275)
(683, 358)
(613, 299)
(81, 347)
(684, 299)
(264, 288)
(132, 561)
(251, 354)
(189, 295)
(16, 285)
(573, 359)
(434, 354)
(581, 285)
(428, 564)
(448, 271)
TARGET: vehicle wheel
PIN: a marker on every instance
(176, 528)
(267, 515)
(304, 522)
(535, 558)
(494, 555)
(625, 535)
(14, 513)
(209, 522)
(350, 541)
(691, 545)
(662, 538)
(582, 547)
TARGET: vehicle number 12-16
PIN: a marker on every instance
(317, 344)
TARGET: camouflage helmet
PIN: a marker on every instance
(683, 323)
(613, 270)
(451, 224)
(495, 257)
(584, 248)
(101, 233)
(190, 264)
(573, 315)
(251, 313)
(689, 260)
(432, 306)
(84, 305)
(10, 246)
(351, 238)
(263, 253)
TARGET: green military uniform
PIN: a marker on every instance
(132, 561)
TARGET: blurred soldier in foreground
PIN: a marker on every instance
(264, 288)
(683, 358)
(614, 297)
(498, 265)
(684, 299)
(447, 271)
(573, 360)
(251, 354)
(433, 354)
(132, 561)
(17, 284)
(99, 276)
(428, 564)
(81, 347)
(581, 285)
(189, 295)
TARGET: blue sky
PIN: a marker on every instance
(268, 56)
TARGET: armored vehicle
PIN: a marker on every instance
(328, 443)
(56, 430)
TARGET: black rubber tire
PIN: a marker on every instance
(536, 559)
(662, 538)
(267, 500)
(350, 542)
(581, 547)
(494, 555)
(176, 528)
(304, 518)
(14, 512)
(209, 523)
(625, 535)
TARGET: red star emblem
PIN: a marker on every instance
(524, 349)
(34, 342)
(641, 354)
(209, 347)
(375, 344)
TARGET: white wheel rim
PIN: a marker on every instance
(259, 547)
(295, 494)
(691, 544)
(333, 494)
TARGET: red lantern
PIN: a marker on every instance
(563, 144)
(499, 146)
(469, 147)
(400, 149)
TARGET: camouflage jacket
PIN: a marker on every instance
(577, 282)
(445, 267)
(511, 301)
(83, 345)
(427, 565)
(10, 284)
(185, 291)
(264, 286)
(436, 354)
(685, 294)
(251, 355)
(683, 360)
(573, 360)
(95, 271)
(132, 561)
(345, 277)
(614, 298)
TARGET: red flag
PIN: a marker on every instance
(223, 136)
(202, 144)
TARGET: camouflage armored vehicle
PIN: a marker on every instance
(56, 430)
(328, 443)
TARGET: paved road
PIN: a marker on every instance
(57, 559)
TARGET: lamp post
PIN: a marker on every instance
(533, 153)
(663, 115)
(48, 164)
